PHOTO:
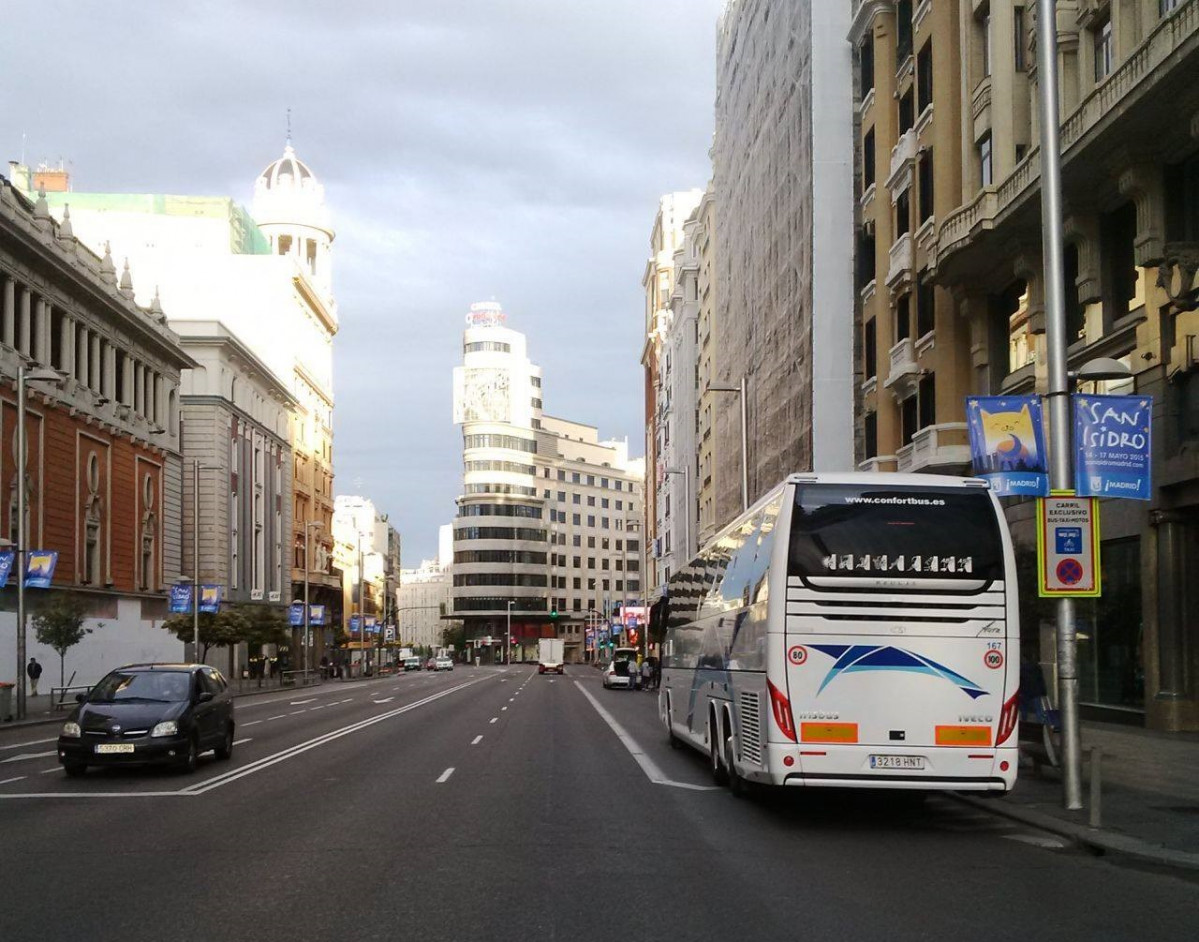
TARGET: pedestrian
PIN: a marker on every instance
(634, 676)
(647, 673)
(657, 672)
(34, 670)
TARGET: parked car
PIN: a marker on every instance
(620, 674)
(431, 664)
(411, 664)
(443, 664)
(149, 713)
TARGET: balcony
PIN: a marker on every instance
(945, 446)
(878, 463)
(903, 162)
(904, 374)
(899, 271)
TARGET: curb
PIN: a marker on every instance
(1097, 839)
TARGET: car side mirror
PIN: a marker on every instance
(80, 697)
(205, 697)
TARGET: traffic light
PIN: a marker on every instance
(554, 614)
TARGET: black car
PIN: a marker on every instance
(149, 713)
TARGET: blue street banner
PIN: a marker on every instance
(296, 614)
(372, 625)
(1112, 440)
(6, 560)
(355, 624)
(210, 599)
(39, 571)
(181, 598)
(316, 614)
(1007, 444)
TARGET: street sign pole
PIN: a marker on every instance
(1059, 395)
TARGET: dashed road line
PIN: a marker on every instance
(238, 742)
(493, 719)
(384, 700)
(9, 781)
(476, 740)
(445, 776)
(251, 723)
(32, 742)
(48, 771)
(298, 702)
(296, 712)
(281, 716)
(29, 755)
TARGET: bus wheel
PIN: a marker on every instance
(737, 785)
(719, 775)
(675, 742)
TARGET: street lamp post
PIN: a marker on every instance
(196, 469)
(508, 635)
(309, 526)
(740, 391)
(42, 375)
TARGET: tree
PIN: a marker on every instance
(58, 624)
(227, 627)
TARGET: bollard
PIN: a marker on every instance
(1096, 787)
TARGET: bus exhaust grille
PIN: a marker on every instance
(751, 727)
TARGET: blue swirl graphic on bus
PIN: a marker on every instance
(883, 657)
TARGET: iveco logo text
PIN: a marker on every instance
(975, 718)
(818, 715)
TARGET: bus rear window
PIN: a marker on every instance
(880, 532)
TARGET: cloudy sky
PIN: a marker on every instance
(470, 149)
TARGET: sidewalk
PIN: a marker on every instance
(42, 709)
(1149, 798)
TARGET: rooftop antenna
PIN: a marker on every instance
(289, 127)
(22, 148)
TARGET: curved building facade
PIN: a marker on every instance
(501, 537)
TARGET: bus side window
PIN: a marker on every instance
(743, 547)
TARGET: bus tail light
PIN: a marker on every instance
(782, 711)
(1007, 719)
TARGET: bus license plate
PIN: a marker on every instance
(897, 762)
(106, 748)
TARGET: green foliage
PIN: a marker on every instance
(58, 624)
(233, 624)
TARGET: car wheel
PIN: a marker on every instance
(225, 749)
(74, 769)
(716, 762)
(190, 759)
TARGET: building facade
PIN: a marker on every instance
(363, 539)
(103, 473)
(708, 361)
(424, 601)
(914, 351)
(782, 164)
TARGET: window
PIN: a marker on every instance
(1117, 235)
(983, 29)
(590, 500)
(1019, 39)
(866, 245)
(1166, 7)
(866, 65)
(870, 348)
(908, 417)
(1075, 315)
(868, 160)
(926, 320)
(924, 76)
(93, 513)
(903, 317)
(1182, 201)
(284, 244)
(903, 31)
(903, 214)
(907, 111)
(576, 499)
(927, 394)
(562, 497)
(870, 434)
(984, 160)
(1103, 45)
(924, 183)
(574, 519)
(591, 542)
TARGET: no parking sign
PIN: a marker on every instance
(1068, 546)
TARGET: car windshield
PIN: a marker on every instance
(144, 686)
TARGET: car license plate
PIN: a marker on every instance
(107, 748)
(897, 762)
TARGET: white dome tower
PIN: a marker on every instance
(289, 207)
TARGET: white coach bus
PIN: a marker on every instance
(851, 630)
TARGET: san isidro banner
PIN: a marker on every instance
(1112, 441)
(1007, 444)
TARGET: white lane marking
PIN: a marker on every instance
(298, 702)
(251, 723)
(292, 751)
(281, 716)
(48, 771)
(384, 700)
(346, 700)
(648, 766)
(512, 699)
(14, 779)
(319, 707)
(476, 740)
(493, 719)
(29, 755)
(32, 742)
(238, 742)
(445, 776)
(296, 712)
(1036, 840)
(502, 709)
(551, 680)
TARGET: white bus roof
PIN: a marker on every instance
(885, 479)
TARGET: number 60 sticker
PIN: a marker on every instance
(797, 654)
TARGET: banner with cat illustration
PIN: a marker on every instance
(1007, 444)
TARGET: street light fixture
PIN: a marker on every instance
(740, 391)
(24, 376)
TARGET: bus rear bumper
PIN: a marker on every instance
(830, 766)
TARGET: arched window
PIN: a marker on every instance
(93, 511)
(149, 536)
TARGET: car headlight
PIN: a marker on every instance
(71, 730)
(165, 728)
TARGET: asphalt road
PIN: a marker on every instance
(502, 805)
